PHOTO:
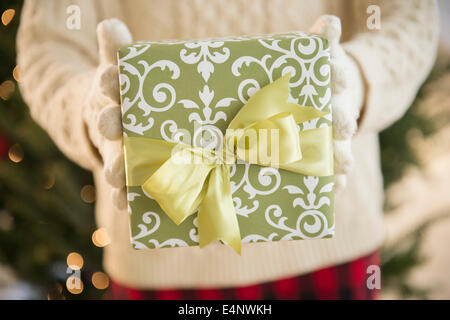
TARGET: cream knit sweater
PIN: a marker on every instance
(57, 66)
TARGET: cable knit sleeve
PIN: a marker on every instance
(396, 59)
(57, 66)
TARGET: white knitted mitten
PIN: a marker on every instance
(102, 113)
(347, 96)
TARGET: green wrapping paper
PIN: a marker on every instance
(189, 91)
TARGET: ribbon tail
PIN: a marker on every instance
(217, 218)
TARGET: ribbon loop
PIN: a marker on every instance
(179, 184)
(261, 142)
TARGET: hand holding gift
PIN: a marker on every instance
(102, 114)
(347, 97)
(189, 94)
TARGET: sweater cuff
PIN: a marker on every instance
(87, 155)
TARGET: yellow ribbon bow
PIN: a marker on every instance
(182, 178)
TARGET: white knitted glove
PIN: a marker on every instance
(102, 113)
(347, 96)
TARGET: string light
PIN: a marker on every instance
(101, 238)
(88, 194)
(75, 261)
(100, 280)
(15, 153)
(7, 16)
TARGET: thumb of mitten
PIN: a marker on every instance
(111, 35)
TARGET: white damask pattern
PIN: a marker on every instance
(206, 56)
(146, 229)
(303, 59)
(164, 94)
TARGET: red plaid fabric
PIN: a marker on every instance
(345, 281)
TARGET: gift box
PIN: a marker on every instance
(181, 98)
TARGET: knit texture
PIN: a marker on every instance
(58, 68)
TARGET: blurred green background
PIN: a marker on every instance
(46, 201)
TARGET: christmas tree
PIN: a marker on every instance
(46, 201)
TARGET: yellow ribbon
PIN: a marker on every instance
(182, 178)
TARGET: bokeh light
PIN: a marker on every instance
(75, 261)
(74, 285)
(100, 237)
(7, 16)
(7, 89)
(88, 194)
(15, 153)
(100, 280)
(16, 73)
